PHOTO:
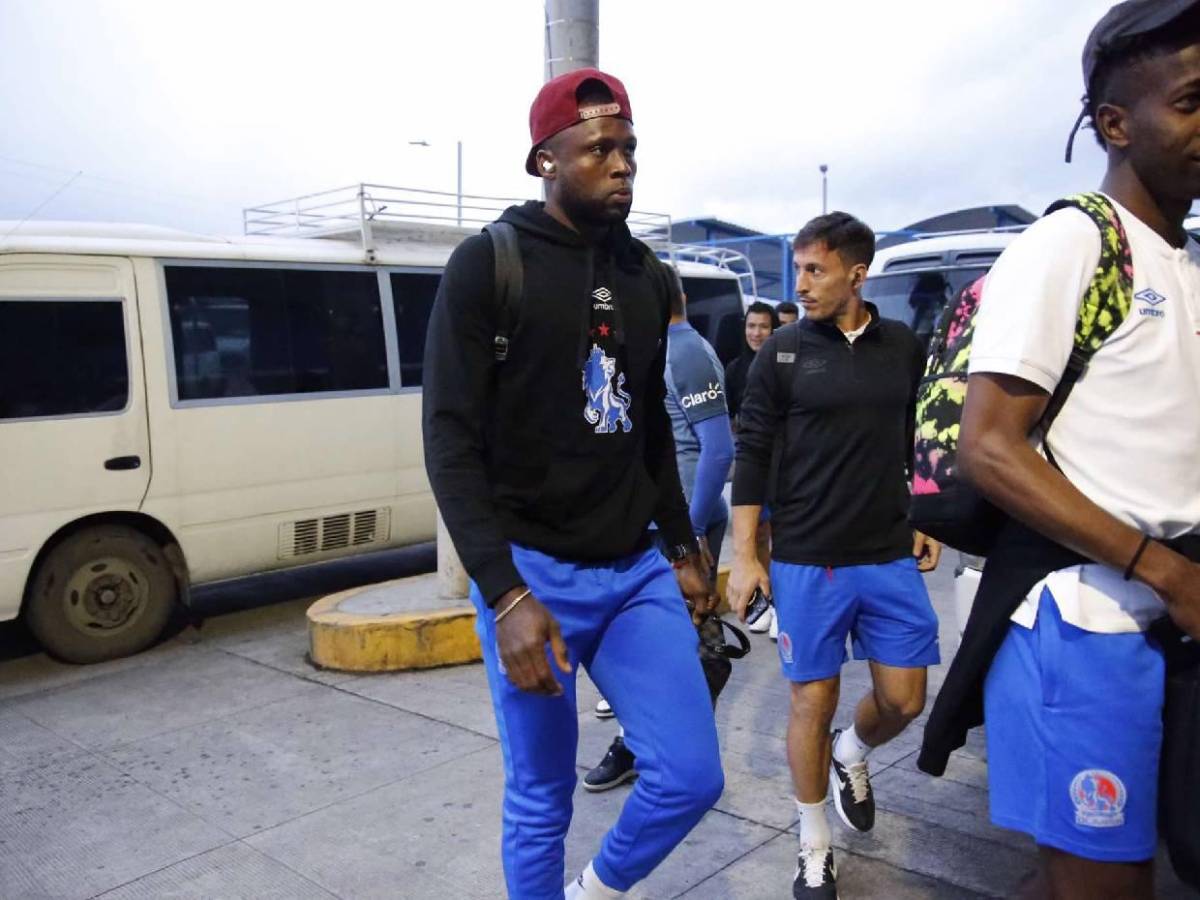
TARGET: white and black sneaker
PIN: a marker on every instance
(816, 875)
(604, 709)
(852, 794)
(615, 769)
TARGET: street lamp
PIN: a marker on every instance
(459, 192)
(824, 189)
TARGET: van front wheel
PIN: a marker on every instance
(102, 593)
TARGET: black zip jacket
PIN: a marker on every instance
(838, 417)
(735, 381)
(508, 449)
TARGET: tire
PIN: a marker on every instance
(103, 593)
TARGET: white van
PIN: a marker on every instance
(913, 281)
(178, 409)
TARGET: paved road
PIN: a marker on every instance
(221, 765)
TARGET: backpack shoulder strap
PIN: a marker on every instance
(509, 283)
(1106, 301)
(657, 270)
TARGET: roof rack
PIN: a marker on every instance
(722, 257)
(371, 212)
(910, 235)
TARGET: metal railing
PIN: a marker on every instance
(722, 257)
(910, 235)
(380, 211)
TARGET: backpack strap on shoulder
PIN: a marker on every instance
(509, 283)
(1106, 301)
(657, 270)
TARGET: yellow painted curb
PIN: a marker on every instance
(362, 642)
(392, 642)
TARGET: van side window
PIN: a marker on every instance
(253, 332)
(412, 298)
(62, 358)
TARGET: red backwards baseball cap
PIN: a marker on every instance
(556, 107)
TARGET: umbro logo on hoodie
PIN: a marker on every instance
(603, 298)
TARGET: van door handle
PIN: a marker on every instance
(123, 463)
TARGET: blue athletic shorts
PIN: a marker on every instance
(884, 608)
(1074, 728)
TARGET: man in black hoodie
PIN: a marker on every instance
(548, 466)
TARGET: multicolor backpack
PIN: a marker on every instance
(943, 505)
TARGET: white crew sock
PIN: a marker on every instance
(814, 827)
(588, 886)
(849, 748)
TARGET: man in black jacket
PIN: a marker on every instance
(548, 466)
(838, 389)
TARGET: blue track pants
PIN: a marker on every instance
(626, 623)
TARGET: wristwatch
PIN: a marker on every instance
(678, 553)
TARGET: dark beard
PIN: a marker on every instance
(593, 215)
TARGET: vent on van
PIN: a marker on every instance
(929, 261)
(337, 532)
(976, 258)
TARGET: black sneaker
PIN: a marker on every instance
(816, 875)
(852, 794)
(616, 768)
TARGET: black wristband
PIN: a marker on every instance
(1136, 556)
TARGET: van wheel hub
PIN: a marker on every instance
(105, 595)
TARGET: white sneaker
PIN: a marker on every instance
(588, 886)
(773, 633)
(603, 710)
(764, 622)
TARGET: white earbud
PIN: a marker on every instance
(547, 166)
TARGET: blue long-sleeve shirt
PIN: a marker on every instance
(700, 420)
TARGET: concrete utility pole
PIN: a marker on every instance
(572, 36)
(824, 188)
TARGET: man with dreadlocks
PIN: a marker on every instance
(1105, 506)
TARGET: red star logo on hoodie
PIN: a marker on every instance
(604, 329)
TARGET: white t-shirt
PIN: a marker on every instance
(1129, 435)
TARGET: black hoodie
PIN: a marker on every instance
(519, 451)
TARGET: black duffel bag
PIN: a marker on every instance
(1179, 766)
(716, 653)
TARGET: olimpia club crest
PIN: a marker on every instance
(607, 405)
(1099, 798)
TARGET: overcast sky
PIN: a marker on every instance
(181, 112)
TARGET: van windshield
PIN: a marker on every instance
(917, 298)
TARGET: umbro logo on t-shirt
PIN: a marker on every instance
(1152, 299)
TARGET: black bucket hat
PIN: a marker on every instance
(1119, 25)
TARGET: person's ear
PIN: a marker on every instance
(1113, 125)
(858, 275)
(546, 166)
